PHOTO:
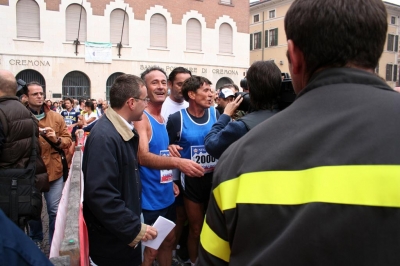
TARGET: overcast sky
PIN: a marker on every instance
(397, 2)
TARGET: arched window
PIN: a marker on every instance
(76, 85)
(110, 82)
(29, 75)
(116, 22)
(73, 15)
(225, 38)
(28, 19)
(193, 35)
(158, 31)
(222, 81)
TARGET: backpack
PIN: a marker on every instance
(19, 197)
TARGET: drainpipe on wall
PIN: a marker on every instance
(263, 34)
(396, 56)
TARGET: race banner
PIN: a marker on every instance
(98, 52)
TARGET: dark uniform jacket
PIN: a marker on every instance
(316, 184)
(112, 190)
(15, 148)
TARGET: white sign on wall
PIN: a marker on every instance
(97, 52)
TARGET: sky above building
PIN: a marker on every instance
(397, 2)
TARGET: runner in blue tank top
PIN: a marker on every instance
(187, 128)
(158, 190)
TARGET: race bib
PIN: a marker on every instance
(165, 175)
(201, 156)
(68, 121)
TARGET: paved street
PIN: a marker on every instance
(45, 222)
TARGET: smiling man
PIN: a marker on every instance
(187, 128)
(159, 191)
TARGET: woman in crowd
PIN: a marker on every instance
(89, 116)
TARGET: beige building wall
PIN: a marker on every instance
(278, 53)
(54, 57)
(391, 57)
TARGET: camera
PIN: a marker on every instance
(42, 131)
(287, 94)
(245, 104)
(21, 85)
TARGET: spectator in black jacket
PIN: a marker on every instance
(112, 194)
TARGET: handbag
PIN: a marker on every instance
(19, 196)
(63, 158)
(41, 179)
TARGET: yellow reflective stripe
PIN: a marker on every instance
(371, 185)
(213, 244)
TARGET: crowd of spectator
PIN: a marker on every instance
(314, 184)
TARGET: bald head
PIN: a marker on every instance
(8, 84)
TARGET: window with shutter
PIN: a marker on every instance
(75, 21)
(273, 37)
(257, 40)
(28, 19)
(389, 71)
(394, 72)
(116, 21)
(266, 38)
(193, 35)
(225, 38)
(396, 43)
(251, 42)
(158, 31)
(390, 41)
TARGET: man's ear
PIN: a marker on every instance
(132, 104)
(191, 94)
(169, 84)
(296, 58)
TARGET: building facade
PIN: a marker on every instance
(268, 38)
(77, 48)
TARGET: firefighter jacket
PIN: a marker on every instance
(319, 184)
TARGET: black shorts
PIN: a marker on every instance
(198, 189)
(151, 216)
(179, 199)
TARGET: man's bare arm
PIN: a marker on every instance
(151, 160)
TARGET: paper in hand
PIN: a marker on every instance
(163, 226)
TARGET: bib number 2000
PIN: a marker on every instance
(201, 156)
(202, 159)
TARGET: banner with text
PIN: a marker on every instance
(97, 52)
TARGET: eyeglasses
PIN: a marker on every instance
(146, 100)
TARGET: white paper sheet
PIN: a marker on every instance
(163, 226)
